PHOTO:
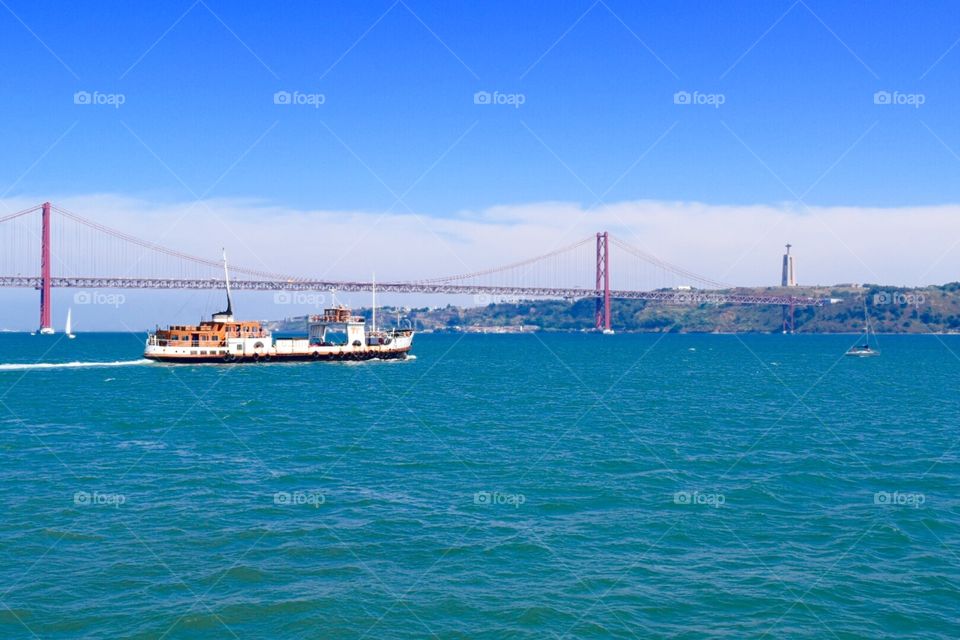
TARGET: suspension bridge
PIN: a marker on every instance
(48, 246)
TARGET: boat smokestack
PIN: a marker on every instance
(227, 315)
(226, 278)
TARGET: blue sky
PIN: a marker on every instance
(796, 150)
(398, 80)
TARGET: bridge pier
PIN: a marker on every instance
(602, 315)
(46, 326)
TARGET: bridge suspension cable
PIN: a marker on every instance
(692, 277)
(514, 265)
(17, 214)
(167, 251)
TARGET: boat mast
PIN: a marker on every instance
(373, 322)
(866, 321)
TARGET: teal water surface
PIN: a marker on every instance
(531, 486)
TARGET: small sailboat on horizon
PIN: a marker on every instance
(68, 329)
(865, 350)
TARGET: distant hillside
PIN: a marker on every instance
(934, 309)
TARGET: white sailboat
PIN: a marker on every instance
(67, 329)
(865, 350)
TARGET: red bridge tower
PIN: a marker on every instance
(45, 325)
(602, 315)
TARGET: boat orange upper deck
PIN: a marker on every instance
(209, 333)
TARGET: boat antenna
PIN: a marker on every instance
(373, 302)
(226, 277)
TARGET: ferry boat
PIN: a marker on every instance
(334, 335)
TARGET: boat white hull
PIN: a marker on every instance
(280, 350)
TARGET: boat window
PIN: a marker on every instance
(335, 336)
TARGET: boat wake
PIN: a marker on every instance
(71, 365)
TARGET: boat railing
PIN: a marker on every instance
(154, 341)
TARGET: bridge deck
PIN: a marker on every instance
(665, 296)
